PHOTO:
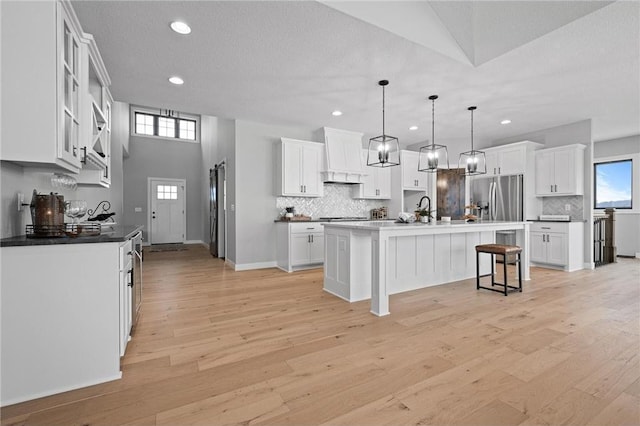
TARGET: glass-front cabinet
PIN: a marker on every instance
(70, 100)
(41, 85)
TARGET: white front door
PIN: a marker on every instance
(167, 211)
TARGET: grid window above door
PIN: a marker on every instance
(167, 192)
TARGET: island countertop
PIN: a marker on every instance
(454, 224)
(108, 235)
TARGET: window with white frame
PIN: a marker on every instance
(613, 184)
(164, 124)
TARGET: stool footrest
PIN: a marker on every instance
(511, 289)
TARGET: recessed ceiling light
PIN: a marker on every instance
(336, 113)
(180, 27)
(176, 80)
(413, 128)
(505, 122)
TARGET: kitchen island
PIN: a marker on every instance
(372, 260)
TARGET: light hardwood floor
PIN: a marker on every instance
(214, 347)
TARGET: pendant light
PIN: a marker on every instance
(473, 162)
(433, 157)
(384, 150)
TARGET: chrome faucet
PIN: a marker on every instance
(428, 206)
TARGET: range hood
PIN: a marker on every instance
(343, 150)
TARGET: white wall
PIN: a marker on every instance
(627, 221)
(149, 157)
(255, 201)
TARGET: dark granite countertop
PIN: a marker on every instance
(108, 235)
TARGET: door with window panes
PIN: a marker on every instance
(167, 211)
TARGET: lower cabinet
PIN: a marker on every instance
(557, 244)
(300, 245)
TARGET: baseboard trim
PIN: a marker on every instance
(196, 242)
(61, 389)
(589, 265)
(231, 263)
(251, 266)
(638, 255)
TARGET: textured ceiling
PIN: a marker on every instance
(292, 63)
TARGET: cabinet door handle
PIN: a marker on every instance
(555, 187)
(311, 238)
(543, 240)
(499, 170)
(130, 272)
(551, 188)
(494, 170)
(84, 156)
(308, 238)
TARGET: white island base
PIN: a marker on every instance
(372, 260)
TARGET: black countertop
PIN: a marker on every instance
(108, 235)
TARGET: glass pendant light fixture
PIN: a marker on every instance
(433, 157)
(384, 150)
(473, 162)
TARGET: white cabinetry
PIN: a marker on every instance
(412, 179)
(300, 245)
(125, 286)
(97, 101)
(560, 171)
(60, 318)
(41, 85)
(509, 159)
(557, 244)
(298, 168)
(376, 184)
(343, 149)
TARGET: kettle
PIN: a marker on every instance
(47, 214)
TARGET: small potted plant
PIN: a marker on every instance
(424, 215)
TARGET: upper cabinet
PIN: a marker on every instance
(412, 179)
(343, 150)
(560, 171)
(376, 184)
(50, 69)
(298, 168)
(41, 84)
(96, 141)
(509, 159)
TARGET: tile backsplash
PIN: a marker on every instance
(336, 201)
(556, 205)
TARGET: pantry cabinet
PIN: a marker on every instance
(376, 184)
(298, 166)
(560, 171)
(557, 245)
(41, 85)
(300, 245)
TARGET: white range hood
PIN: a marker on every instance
(343, 150)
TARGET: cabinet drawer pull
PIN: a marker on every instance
(545, 227)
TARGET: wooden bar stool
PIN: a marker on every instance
(505, 251)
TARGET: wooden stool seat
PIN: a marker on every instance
(498, 249)
(504, 251)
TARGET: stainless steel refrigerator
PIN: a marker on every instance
(500, 198)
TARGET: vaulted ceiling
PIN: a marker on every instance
(538, 63)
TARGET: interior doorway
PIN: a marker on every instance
(218, 211)
(167, 210)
